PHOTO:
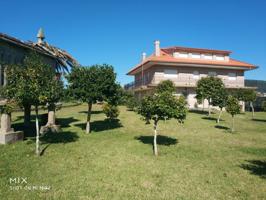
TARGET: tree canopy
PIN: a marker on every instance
(247, 95)
(92, 84)
(233, 108)
(32, 83)
(166, 86)
(160, 106)
(220, 100)
(208, 88)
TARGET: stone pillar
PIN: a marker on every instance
(6, 123)
(51, 118)
(242, 104)
(7, 134)
(5, 79)
(50, 126)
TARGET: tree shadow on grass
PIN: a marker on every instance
(61, 137)
(199, 111)
(259, 120)
(54, 138)
(92, 112)
(161, 140)
(65, 122)
(101, 125)
(256, 167)
(222, 127)
(211, 118)
(30, 131)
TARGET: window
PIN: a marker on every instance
(232, 76)
(195, 55)
(183, 54)
(212, 74)
(170, 73)
(220, 57)
(196, 75)
(158, 73)
(175, 54)
(208, 56)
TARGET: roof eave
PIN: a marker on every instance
(246, 68)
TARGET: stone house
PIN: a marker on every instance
(13, 51)
(185, 66)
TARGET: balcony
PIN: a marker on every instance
(179, 82)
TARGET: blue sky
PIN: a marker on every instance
(117, 31)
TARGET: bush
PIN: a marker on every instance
(110, 111)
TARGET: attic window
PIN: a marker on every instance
(208, 56)
(220, 57)
(176, 54)
(183, 54)
(195, 55)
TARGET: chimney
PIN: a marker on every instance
(40, 36)
(143, 56)
(157, 47)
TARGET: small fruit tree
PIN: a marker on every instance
(208, 88)
(160, 106)
(233, 108)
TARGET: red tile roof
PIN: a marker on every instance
(166, 57)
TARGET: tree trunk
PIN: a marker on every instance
(51, 115)
(27, 113)
(155, 150)
(233, 124)
(252, 108)
(37, 131)
(88, 129)
(219, 117)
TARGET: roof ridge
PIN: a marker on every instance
(193, 48)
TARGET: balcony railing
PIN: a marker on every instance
(180, 81)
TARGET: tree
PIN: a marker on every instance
(233, 108)
(92, 84)
(160, 106)
(220, 100)
(28, 84)
(250, 96)
(246, 95)
(208, 88)
(166, 86)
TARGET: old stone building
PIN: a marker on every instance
(13, 51)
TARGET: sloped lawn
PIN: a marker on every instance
(198, 160)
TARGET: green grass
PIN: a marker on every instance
(198, 160)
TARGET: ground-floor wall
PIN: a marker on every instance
(188, 93)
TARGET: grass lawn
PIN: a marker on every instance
(198, 160)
